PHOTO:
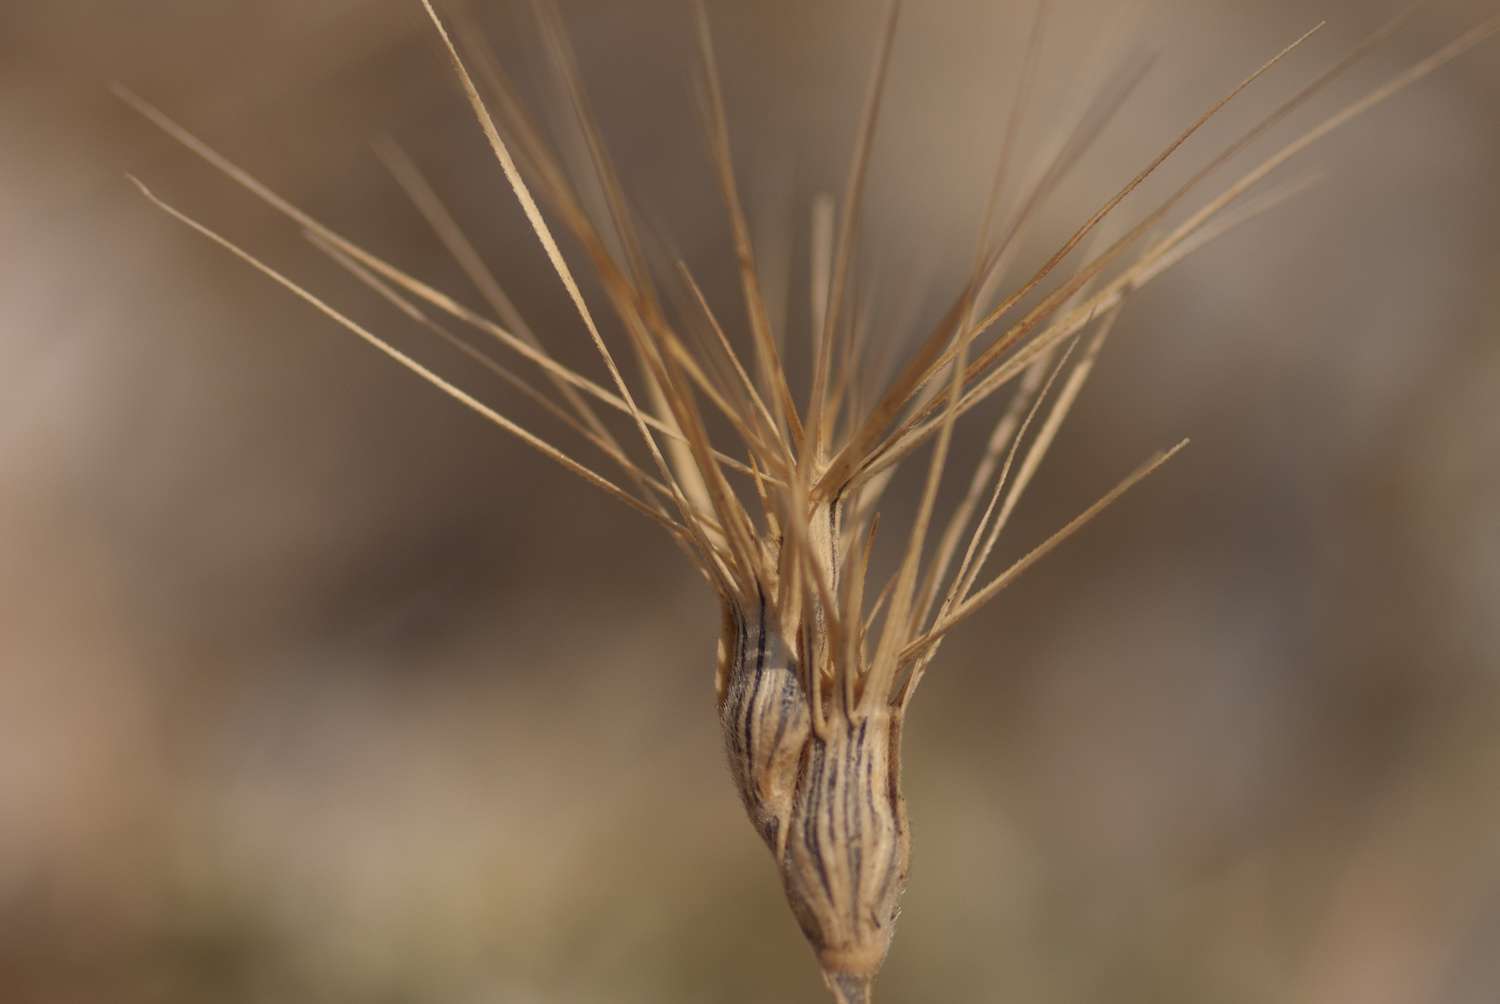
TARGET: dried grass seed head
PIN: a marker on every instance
(815, 669)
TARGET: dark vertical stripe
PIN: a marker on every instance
(760, 665)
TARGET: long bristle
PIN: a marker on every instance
(847, 451)
(768, 355)
(535, 442)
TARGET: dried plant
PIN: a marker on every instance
(816, 671)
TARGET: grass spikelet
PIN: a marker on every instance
(778, 506)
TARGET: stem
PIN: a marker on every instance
(848, 989)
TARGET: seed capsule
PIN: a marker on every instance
(827, 801)
(764, 711)
(847, 855)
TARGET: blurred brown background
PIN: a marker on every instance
(313, 687)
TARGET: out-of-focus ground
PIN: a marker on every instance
(314, 687)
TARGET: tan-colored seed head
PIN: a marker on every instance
(814, 674)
